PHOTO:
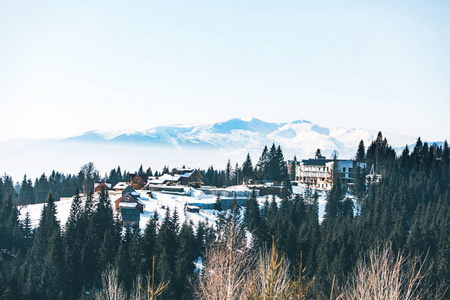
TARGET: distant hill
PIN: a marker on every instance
(301, 136)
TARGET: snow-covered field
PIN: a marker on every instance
(159, 203)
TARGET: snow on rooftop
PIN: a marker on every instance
(121, 185)
(128, 204)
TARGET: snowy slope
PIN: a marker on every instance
(159, 203)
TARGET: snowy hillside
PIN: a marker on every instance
(159, 203)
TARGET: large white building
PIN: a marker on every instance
(318, 172)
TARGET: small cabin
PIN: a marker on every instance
(137, 181)
(131, 200)
(193, 208)
(98, 186)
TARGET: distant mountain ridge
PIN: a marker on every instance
(193, 145)
(300, 136)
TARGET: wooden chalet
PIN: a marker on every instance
(98, 186)
(128, 200)
(137, 181)
(188, 175)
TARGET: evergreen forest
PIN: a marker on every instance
(92, 257)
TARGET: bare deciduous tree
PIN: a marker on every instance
(111, 289)
(385, 276)
(227, 266)
(271, 278)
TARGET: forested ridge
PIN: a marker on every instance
(408, 210)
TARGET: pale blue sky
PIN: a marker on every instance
(67, 67)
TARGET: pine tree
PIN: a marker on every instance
(228, 173)
(318, 153)
(218, 203)
(237, 177)
(274, 165)
(247, 168)
(361, 152)
(141, 170)
(286, 191)
(26, 193)
(184, 265)
(333, 208)
(167, 243)
(42, 270)
(252, 217)
(41, 189)
(149, 242)
(263, 165)
(73, 239)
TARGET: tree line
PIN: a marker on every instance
(271, 166)
(408, 209)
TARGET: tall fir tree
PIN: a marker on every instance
(247, 169)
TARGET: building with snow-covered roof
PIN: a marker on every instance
(188, 175)
(318, 172)
(98, 186)
(193, 208)
(120, 186)
(137, 181)
(127, 200)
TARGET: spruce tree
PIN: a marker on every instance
(263, 165)
(26, 193)
(247, 168)
(184, 265)
(252, 217)
(361, 152)
(274, 173)
(218, 203)
(228, 174)
(149, 242)
(42, 272)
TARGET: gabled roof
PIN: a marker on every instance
(107, 184)
(131, 176)
(128, 190)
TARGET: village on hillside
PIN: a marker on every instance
(136, 200)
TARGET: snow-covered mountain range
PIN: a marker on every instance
(194, 145)
(300, 136)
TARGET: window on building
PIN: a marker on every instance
(343, 169)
